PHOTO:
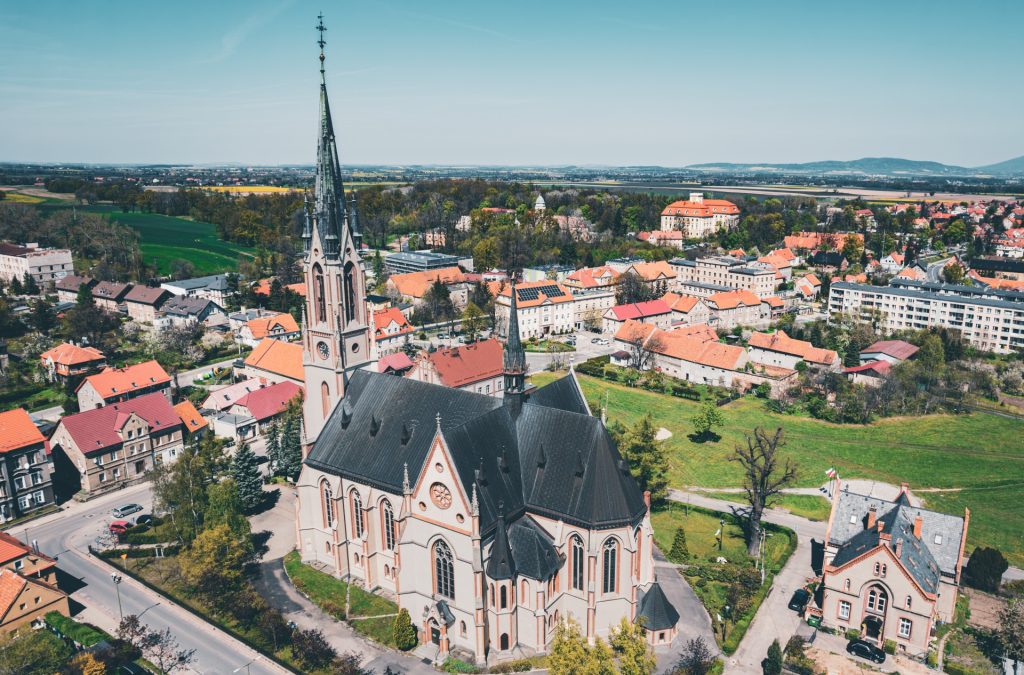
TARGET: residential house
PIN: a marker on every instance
(544, 308)
(267, 404)
(397, 363)
(45, 265)
(698, 217)
(26, 466)
(729, 309)
(654, 312)
(118, 444)
(225, 397)
(870, 374)
(892, 263)
(809, 241)
(25, 601)
(670, 238)
(143, 302)
(475, 367)
(214, 287)
(236, 320)
(891, 569)
(778, 349)
(589, 307)
(67, 287)
(112, 385)
(891, 351)
(590, 278)
(828, 261)
(26, 561)
(193, 424)
(68, 361)
(109, 295)
(659, 275)
(687, 310)
(275, 360)
(913, 273)
(413, 286)
(390, 330)
(189, 309)
(276, 326)
(809, 286)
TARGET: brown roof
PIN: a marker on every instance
(782, 343)
(17, 430)
(897, 349)
(416, 284)
(462, 365)
(67, 354)
(652, 271)
(73, 282)
(97, 429)
(145, 295)
(277, 356)
(110, 290)
(112, 382)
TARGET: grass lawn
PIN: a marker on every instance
(979, 454)
(546, 346)
(811, 507)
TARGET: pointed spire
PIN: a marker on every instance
(329, 212)
(437, 418)
(514, 356)
(406, 488)
(500, 565)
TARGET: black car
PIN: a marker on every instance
(799, 600)
(866, 650)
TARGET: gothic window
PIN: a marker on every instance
(325, 398)
(444, 571)
(388, 515)
(524, 594)
(319, 300)
(358, 526)
(504, 597)
(578, 561)
(327, 504)
(611, 566)
(908, 602)
(350, 292)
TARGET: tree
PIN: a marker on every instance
(30, 287)
(984, 569)
(704, 421)
(647, 458)
(86, 664)
(246, 472)
(43, 318)
(312, 648)
(630, 642)
(953, 273)
(349, 664)
(32, 653)
(473, 320)
(642, 343)
(696, 659)
(1011, 632)
(132, 631)
(274, 445)
(180, 489)
(402, 631)
(632, 288)
(213, 565)
(568, 650)
(772, 664)
(380, 272)
(437, 302)
(764, 478)
(600, 660)
(291, 447)
(680, 552)
(225, 507)
(163, 650)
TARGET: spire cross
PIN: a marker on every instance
(320, 28)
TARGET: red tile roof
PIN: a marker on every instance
(898, 349)
(383, 319)
(398, 362)
(11, 585)
(462, 365)
(276, 356)
(12, 549)
(416, 284)
(782, 343)
(67, 354)
(640, 310)
(269, 401)
(112, 382)
(17, 430)
(732, 299)
(263, 326)
(189, 416)
(702, 209)
(96, 430)
(879, 367)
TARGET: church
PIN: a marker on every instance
(490, 519)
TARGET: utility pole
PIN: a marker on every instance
(116, 578)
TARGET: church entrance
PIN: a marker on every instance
(435, 633)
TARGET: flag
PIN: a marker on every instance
(831, 473)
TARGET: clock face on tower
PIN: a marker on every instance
(323, 349)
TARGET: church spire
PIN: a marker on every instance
(514, 357)
(330, 216)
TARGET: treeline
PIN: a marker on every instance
(765, 222)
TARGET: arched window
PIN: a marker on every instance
(444, 570)
(504, 596)
(388, 525)
(462, 628)
(358, 526)
(327, 504)
(325, 398)
(611, 566)
(636, 555)
(319, 301)
(578, 561)
(885, 568)
(503, 641)
(846, 585)
(872, 599)
(350, 292)
(878, 569)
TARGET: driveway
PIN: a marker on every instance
(694, 620)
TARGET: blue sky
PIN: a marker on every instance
(526, 82)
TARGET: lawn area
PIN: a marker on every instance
(545, 346)
(811, 507)
(979, 454)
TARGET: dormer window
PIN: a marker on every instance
(938, 539)
(853, 520)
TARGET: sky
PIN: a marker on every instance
(528, 82)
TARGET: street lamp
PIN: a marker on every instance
(116, 578)
(721, 533)
(246, 665)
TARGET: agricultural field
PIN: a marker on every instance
(250, 189)
(951, 461)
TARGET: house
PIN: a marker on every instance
(589, 278)
(729, 309)
(224, 398)
(671, 238)
(550, 272)
(276, 326)
(475, 367)
(275, 360)
(109, 295)
(44, 265)
(26, 561)
(67, 361)
(390, 330)
(778, 349)
(26, 466)
(655, 312)
(112, 385)
(809, 241)
(214, 287)
(828, 261)
(543, 308)
(397, 363)
(891, 569)
(413, 286)
(118, 444)
(870, 374)
(189, 309)
(698, 217)
(67, 287)
(779, 264)
(192, 422)
(659, 275)
(143, 302)
(687, 310)
(236, 320)
(892, 263)
(25, 601)
(891, 351)
(809, 286)
(776, 306)
(224, 424)
(914, 273)
(267, 404)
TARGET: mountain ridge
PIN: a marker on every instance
(888, 166)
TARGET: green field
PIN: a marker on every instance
(977, 459)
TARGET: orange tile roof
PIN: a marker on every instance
(261, 327)
(525, 298)
(703, 209)
(1003, 284)
(697, 344)
(811, 240)
(384, 317)
(12, 549)
(594, 277)
(67, 354)
(912, 273)
(812, 279)
(190, 417)
(652, 271)
(262, 287)
(11, 585)
(115, 381)
(17, 430)
(783, 253)
(733, 299)
(780, 342)
(416, 284)
(277, 356)
(737, 253)
(465, 364)
(774, 302)
(680, 303)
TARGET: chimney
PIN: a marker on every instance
(880, 525)
(917, 526)
(872, 517)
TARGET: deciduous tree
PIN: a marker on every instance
(697, 658)
(630, 643)
(765, 476)
(708, 417)
(312, 648)
(162, 648)
(1011, 632)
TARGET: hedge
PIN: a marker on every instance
(82, 633)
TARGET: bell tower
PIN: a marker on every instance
(335, 335)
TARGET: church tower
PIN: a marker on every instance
(336, 336)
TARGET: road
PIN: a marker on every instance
(66, 535)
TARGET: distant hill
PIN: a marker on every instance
(872, 166)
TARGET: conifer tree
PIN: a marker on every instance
(273, 434)
(402, 631)
(772, 665)
(648, 460)
(291, 448)
(679, 552)
(246, 472)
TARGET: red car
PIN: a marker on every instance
(119, 527)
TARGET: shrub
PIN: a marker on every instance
(984, 569)
(312, 648)
(679, 551)
(403, 632)
(890, 647)
(772, 664)
(517, 666)
(82, 633)
(453, 665)
(852, 633)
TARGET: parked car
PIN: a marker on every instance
(126, 510)
(799, 600)
(595, 341)
(119, 527)
(142, 519)
(866, 650)
(442, 336)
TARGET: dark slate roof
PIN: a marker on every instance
(187, 305)
(564, 394)
(500, 563)
(533, 550)
(545, 460)
(827, 258)
(940, 533)
(655, 609)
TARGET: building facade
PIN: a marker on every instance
(45, 265)
(112, 385)
(26, 466)
(697, 217)
(544, 308)
(712, 274)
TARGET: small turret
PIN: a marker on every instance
(514, 356)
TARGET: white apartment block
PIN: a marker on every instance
(543, 308)
(45, 265)
(713, 274)
(590, 306)
(990, 322)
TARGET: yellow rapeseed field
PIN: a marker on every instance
(249, 189)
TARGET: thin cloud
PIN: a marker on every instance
(233, 39)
